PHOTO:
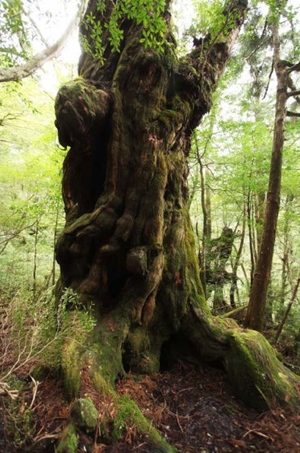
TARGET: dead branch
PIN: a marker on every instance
(293, 114)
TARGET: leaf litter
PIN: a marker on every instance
(195, 411)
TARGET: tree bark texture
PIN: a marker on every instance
(128, 246)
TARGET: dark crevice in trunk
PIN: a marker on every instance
(178, 349)
(99, 162)
(117, 274)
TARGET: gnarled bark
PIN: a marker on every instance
(128, 245)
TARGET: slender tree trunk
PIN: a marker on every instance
(235, 266)
(55, 231)
(246, 276)
(208, 204)
(254, 229)
(251, 244)
(34, 272)
(205, 204)
(206, 232)
(288, 309)
(257, 303)
(259, 216)
(286, 251)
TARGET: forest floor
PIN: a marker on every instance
(195, 410)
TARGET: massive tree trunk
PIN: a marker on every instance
(128, 246)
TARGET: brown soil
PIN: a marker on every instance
(196, 411)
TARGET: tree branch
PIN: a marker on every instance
(295, 67)
(293, 93)
(293, 114)
(269, 79)
(17, 73)
(35, 26)
(200, 70)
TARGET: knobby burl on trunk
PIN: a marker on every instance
(128, 246)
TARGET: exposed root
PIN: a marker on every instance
(256, 374)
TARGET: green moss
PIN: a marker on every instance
(102, 386)
(139, 340)
(183, 108)
(129, 414)
(225, 323)
(70, 365)
(257, 375)
(149, 363)
(107, 353)
(69, 441)
(191, 268)
(143, 349)
(84, 414)
(79, 90)
(167, 117)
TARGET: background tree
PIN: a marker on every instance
(239, 159)
(30, 181)
(258, 295)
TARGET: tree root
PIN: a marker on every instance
(89, 375)
(257, 376)
(90, 370)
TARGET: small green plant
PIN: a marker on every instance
(33, 333)
(77, 323)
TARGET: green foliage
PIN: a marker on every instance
(30, 170)
(34, 332)
(82, 316)
(15, 36)
(209, 16)
(26, 26)
(213, 19)
(149, 14)
(235, 145)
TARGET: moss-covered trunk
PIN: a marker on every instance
(128, 246)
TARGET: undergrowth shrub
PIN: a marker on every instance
(32, 332)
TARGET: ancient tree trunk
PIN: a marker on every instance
(128, 247)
